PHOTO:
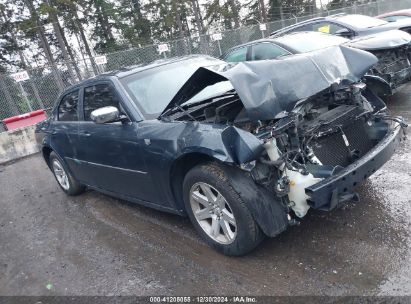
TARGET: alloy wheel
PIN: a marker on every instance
(61, 175)
(213, 213)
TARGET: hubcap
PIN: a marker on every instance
(61, 175)
(213, 213)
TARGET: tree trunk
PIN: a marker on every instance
(85, 43)
(62, 47)
(3, 88)
(82, 51)
(103, 19)
(69, 51)
(177, 11)
(197, 16)
(200, 25)
(44, 44)
(263, 12)
(234, 10)
(23, 61)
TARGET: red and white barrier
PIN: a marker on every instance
(24, 120)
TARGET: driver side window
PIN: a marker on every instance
(265, 50)
(98, 96)
(237, 55)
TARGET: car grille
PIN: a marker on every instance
(331, 149)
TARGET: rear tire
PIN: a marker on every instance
(218, 212)
(64, 179)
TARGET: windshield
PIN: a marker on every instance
(310, 41)
(152, 90)
(361, 21)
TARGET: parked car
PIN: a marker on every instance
(242, 149)
(396, 15)
(349, 26)
(392, 48)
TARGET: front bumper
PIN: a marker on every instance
(331, 191)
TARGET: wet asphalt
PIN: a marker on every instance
(52, 244)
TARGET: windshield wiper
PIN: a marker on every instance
(205, 101)
(185, 112)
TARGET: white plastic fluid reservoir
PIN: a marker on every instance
(272, 150)
(297, 196)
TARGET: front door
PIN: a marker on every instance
(64, 137)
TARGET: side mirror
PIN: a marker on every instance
(343, 33)
(105, 115)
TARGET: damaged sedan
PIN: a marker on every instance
(392, 48)
(244, 150)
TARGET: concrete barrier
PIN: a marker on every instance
(17, 143)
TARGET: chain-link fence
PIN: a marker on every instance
(45, 84)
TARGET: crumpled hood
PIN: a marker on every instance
(383, 40)
(269, 87)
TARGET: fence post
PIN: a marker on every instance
(219, 47)
(36, 93)
(282, 17)
(26, 99)
(188, 42)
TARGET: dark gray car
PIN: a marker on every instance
(244, 151)
(349, 26)
(392, 48)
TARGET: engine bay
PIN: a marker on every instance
(320, 136)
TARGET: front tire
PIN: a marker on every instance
(64, 179)
(218, 212)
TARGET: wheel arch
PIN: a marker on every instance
(178, 171)
(46, 151)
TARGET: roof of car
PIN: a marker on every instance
(342, 18)
(277, 39)
(160, 62)
(125, 71)
(285, 29)
(395, 13)
(268, 39)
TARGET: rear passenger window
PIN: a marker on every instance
(303, 28)
(264, 51)
(98, 96)
(237, 55)
(67, 110)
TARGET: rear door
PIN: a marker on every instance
(109, 155)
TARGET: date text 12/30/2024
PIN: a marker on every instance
(203, 299)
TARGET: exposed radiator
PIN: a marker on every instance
(332, 150)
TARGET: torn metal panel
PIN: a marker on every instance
(268, 87)
(226, 143)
